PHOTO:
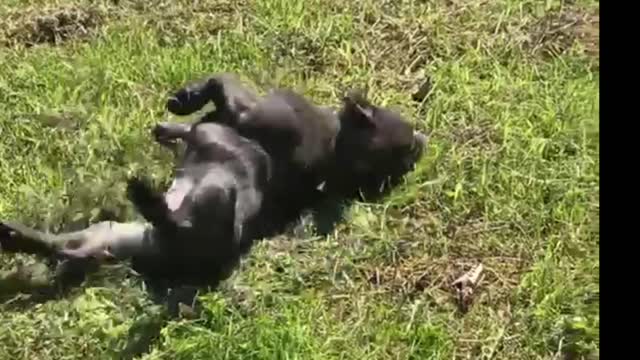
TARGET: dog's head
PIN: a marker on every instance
(374, 145)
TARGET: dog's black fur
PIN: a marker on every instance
(298, 136)
(357, 150)
(375, 148)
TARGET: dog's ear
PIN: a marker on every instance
(359, 110)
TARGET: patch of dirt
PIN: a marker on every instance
(557, 32)
(395, 44)
(409, 276)
(478, 136)
(468, 227)
(176, 23)
(400, 41)
(299, 48)
(434, 276)
(49, 26)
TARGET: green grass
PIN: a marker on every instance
(511, 177)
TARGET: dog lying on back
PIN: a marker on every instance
(235, 186)
(356, 151)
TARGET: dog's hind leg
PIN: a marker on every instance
(106, 239)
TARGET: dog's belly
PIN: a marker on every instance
(177, 191)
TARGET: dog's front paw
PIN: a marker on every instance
(162, 133)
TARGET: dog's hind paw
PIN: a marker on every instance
(7, 234)
(149, 202)
(140, 192)
(17, 238)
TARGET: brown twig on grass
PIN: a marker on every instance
(465, 285)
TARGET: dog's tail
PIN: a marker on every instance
(151, 205)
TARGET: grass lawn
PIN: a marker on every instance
(511, 178)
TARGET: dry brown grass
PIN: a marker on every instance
(49, 25)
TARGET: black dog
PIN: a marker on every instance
(356, 151)
(236, 187)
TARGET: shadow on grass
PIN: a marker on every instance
(43, 281)
(143, 333)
